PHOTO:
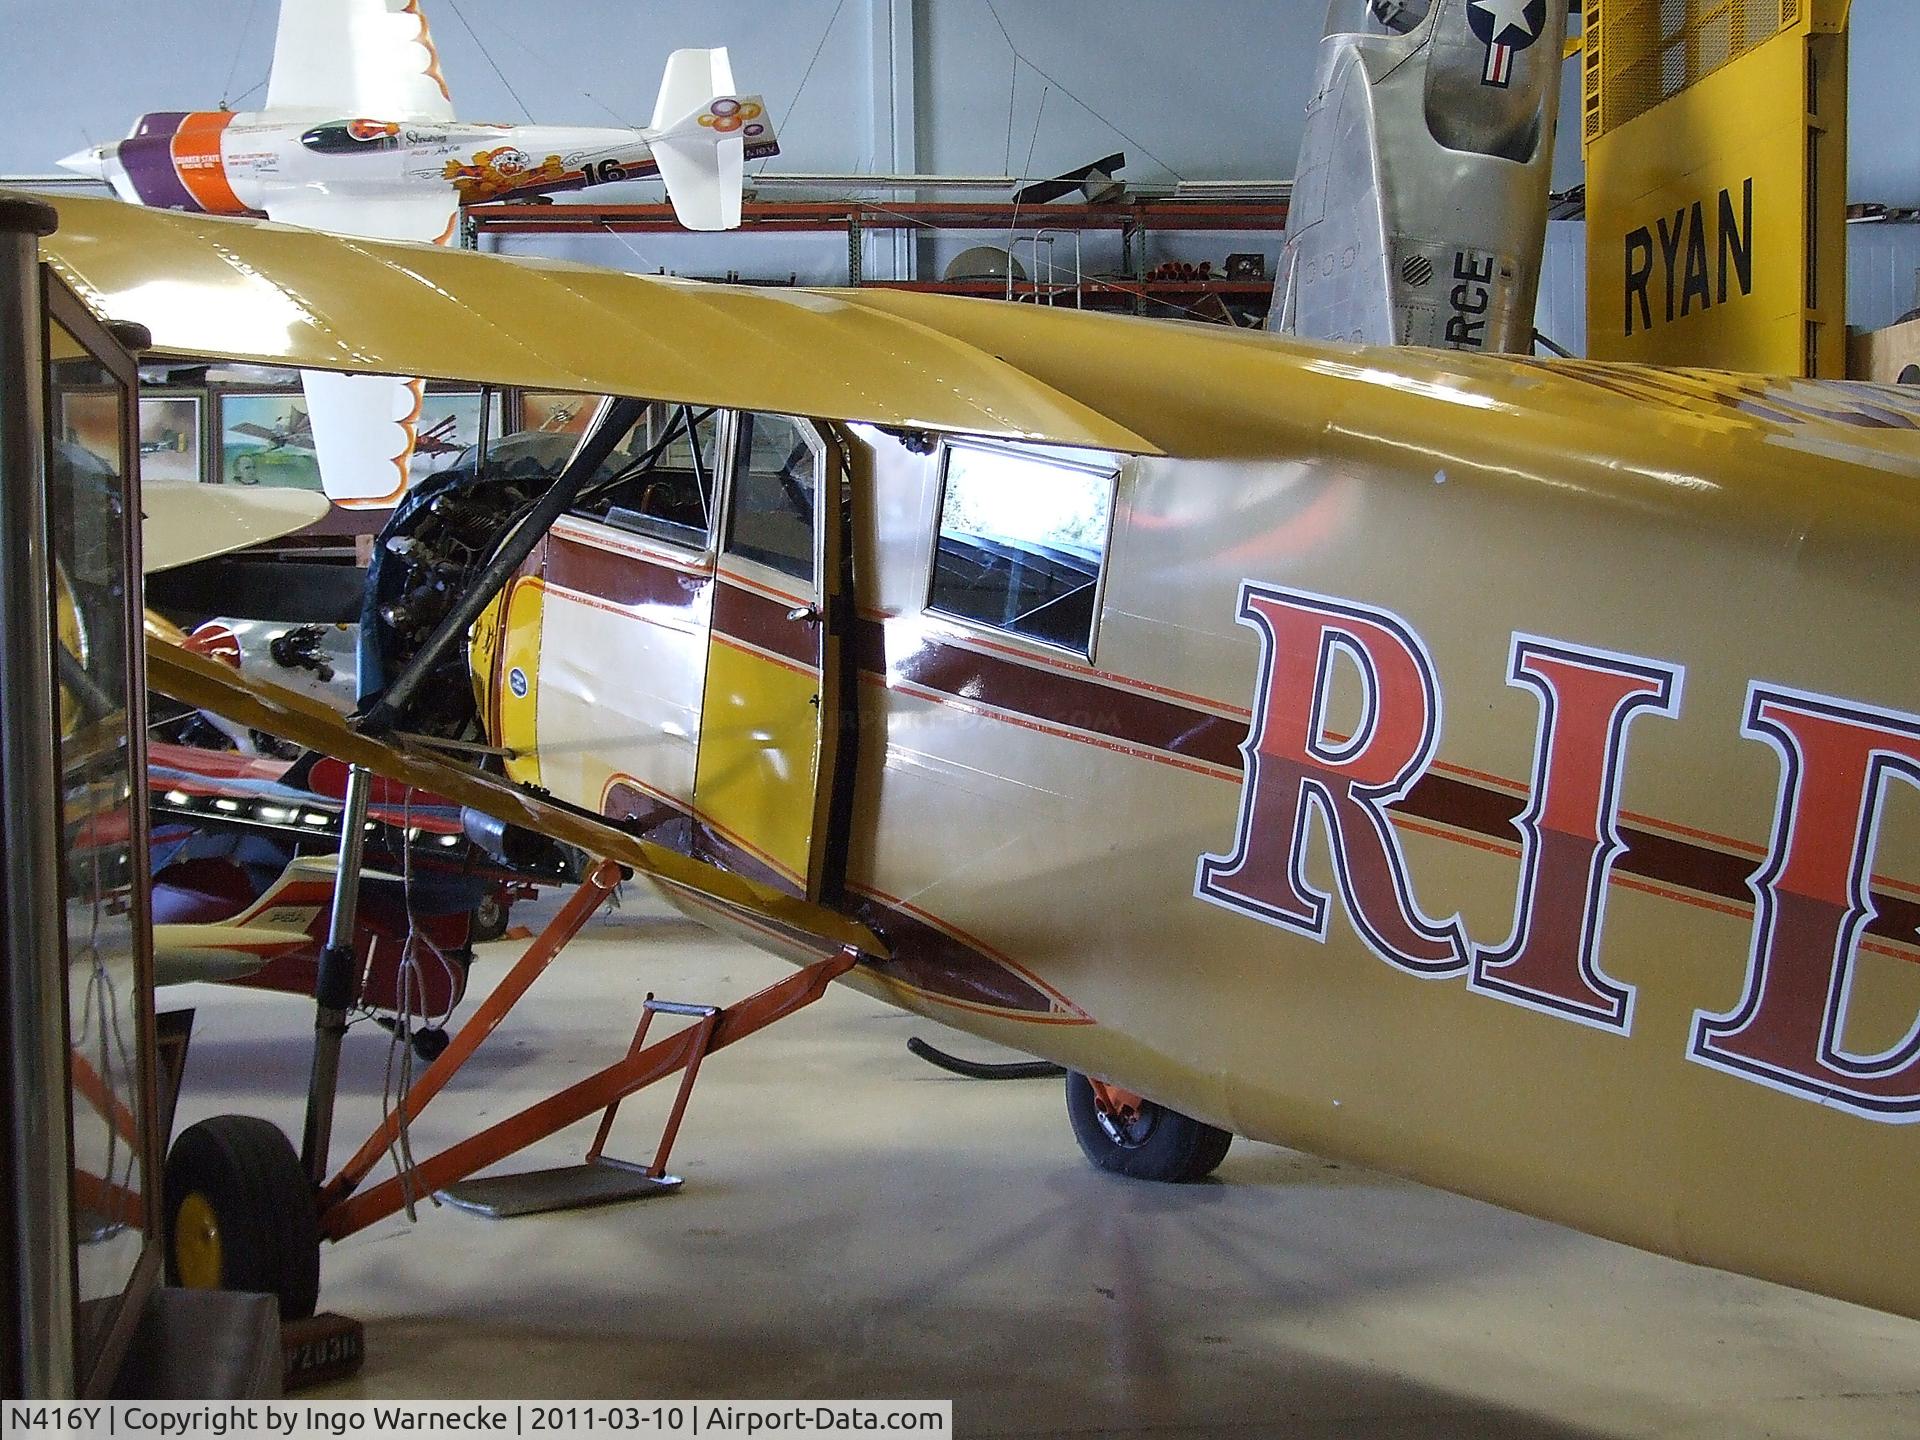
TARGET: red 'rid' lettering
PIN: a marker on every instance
(1811, 903)
(1294, 766)
(1569, 843)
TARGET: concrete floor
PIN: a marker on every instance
(857, 1224)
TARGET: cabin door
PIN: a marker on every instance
(763, 777)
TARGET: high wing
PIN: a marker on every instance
(207, 287)
(208, 684)
(271, 294)
(357, 57)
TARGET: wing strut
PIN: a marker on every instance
(338, 982)
(614, 418)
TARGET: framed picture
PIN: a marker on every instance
(266, 439)
(170, 439)
(450, 423)
(560, 411)
(89, 418)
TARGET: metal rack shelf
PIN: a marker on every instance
(1135, 220)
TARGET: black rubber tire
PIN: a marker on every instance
(430, 1044)
(488, 920)
(247, 1171)
(1170, 1147)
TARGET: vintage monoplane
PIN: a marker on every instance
(1500, 772)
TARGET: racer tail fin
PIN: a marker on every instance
(290, 916)
(701, 136)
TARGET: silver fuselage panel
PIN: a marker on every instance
(1419, 203)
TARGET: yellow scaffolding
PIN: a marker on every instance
(1715, 140)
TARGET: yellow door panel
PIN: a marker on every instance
(759, 755)
(763, 781)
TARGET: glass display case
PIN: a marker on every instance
(81, 1151)
(91, 513)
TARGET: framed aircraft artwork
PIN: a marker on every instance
(449, 424)
(172, 443)
(558, 411)
(266, 439)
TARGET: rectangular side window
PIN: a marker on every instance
(1022, 539)
(771, 517)
(660, 479)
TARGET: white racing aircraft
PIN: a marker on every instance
(358, 138)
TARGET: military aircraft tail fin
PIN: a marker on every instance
(701, 135)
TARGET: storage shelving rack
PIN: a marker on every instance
(1136, 219)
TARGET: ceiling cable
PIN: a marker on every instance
(806, 75)
(239, 47)
(1055, 81)
(487, 55)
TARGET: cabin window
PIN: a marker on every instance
(660, 480)
(775, 468)
(1022, 539)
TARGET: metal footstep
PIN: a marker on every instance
(565, 1187)
(599, 1179)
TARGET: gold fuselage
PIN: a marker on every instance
(1682, 602)
(1049, 842)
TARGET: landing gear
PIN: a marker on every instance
(1131, 1135)
(489, 919)
(240, 1214)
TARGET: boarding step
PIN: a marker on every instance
(564, 1187)
(599, 1179)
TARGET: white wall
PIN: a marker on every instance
(1883, 274)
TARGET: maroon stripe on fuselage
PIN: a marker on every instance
(623, 577)
(711, 844)
(910, 650)
(906, 650)
(651, 817)
(929, 959)
(762, 622)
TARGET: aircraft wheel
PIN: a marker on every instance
(1132, 1136)
(240, 1214)
(489, 919)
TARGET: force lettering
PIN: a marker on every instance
(1469, 300)
(1812, 898)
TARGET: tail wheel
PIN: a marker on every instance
(240, 1214)
(1133, 1136)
